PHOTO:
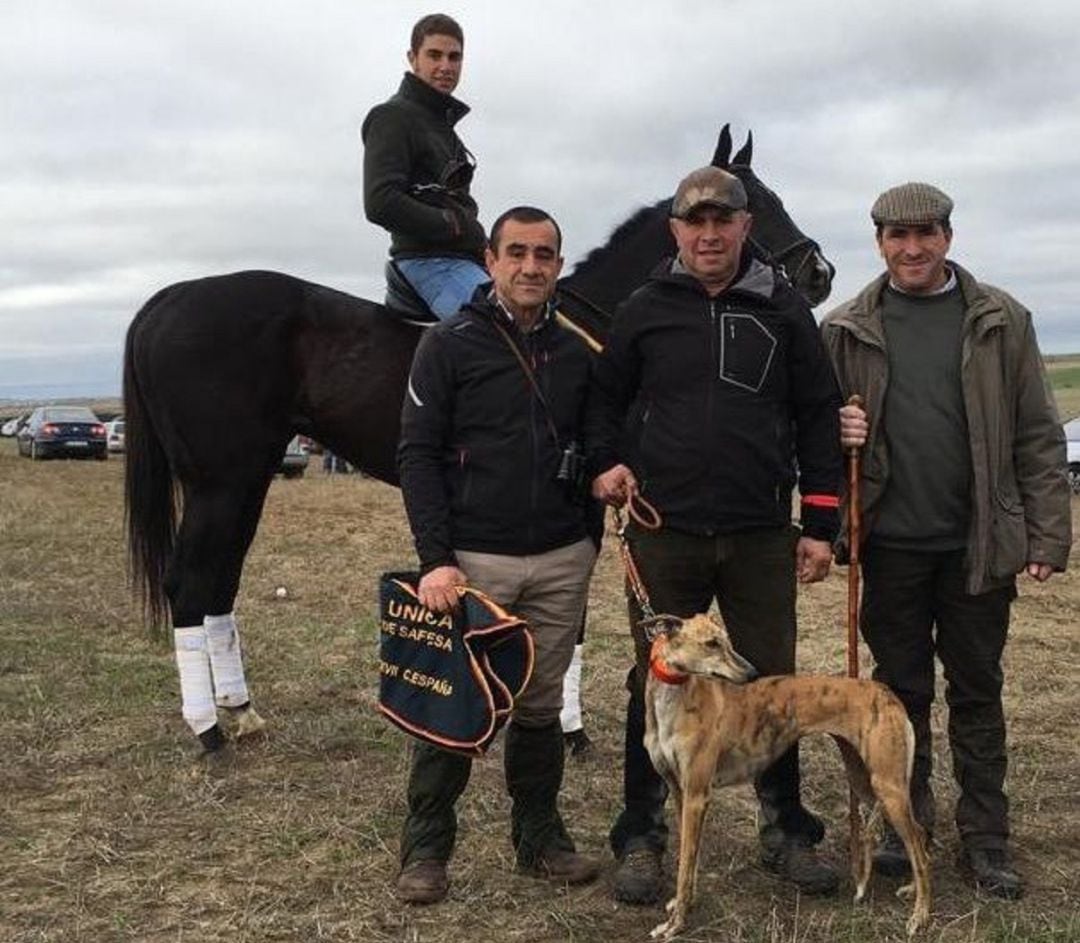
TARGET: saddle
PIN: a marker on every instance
(403, 300)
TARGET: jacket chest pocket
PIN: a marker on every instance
(747, 349)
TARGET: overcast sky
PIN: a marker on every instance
(146, 142)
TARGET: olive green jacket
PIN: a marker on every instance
(1020, 491)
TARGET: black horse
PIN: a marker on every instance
(221, 372)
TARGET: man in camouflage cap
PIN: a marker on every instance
(713, 380)
(963, 487)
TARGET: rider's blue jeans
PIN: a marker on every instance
(445, 284)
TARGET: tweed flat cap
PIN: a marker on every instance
(708, 186)
(911, 204)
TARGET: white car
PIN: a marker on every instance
(295, 460)
(114, 435)
(1072, 442)
(12, 426)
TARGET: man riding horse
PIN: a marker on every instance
(417, 174)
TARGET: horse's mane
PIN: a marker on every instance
(624, 232)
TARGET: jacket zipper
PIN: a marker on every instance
(534, 407)
(710, 407)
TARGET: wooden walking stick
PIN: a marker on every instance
(854, 512)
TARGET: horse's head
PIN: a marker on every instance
(609, 274)
(774, 233)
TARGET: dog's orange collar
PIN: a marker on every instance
(659, 667)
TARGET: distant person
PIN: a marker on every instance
(494, 406)
(963, 486)
(417, 173)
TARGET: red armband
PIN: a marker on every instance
(821, 500)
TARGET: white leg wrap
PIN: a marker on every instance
(570, 718)
(196, 686)
(223, 640)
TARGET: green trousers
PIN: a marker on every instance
(534, 762)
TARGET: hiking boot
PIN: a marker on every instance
(797, 861)
(578, 743)
(563, 867)
(638, 878)
(423, 882)
(890, 857)
(992, 872)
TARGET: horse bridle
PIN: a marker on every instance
(811, 247)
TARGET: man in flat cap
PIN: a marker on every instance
(963, 487)
(714, 380)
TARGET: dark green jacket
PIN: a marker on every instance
(417, 174)
(1019, 490)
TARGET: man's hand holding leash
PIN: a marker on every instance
(615, 486)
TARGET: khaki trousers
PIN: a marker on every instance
(548, 591)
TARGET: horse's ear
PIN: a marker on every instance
(746, 152)
(723, 147)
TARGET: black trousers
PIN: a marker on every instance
(915, 606)
(752, 577)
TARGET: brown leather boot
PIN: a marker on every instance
(992, 871)
(639, 877)
(423, 882)
(564, 867)
(797, 861)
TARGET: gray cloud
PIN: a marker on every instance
(144, 143)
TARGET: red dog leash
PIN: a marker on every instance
(644, 515)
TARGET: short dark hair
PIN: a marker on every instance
(435, 24)
(523, 214)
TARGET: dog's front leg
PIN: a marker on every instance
(695, 803)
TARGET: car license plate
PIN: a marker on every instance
(77, 444)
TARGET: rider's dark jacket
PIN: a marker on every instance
(477, 458)
(417, 174)
(720, 405)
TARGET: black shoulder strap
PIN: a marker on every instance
(530, 376)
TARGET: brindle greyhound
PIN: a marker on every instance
(705, 724)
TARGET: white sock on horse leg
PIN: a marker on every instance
(226, 660)
(570, 718)
(196, 685)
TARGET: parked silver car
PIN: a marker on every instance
(114, 434)
(12, 426)
(1072, 441)
(295, 460)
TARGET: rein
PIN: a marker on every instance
(595, 345)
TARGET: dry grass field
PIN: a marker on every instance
(110, 830)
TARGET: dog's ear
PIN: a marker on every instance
(661, 625)
(717, 621)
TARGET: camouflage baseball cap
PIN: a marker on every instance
(708, 186)
(911, 204)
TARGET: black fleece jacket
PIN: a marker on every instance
(720, 405)
(477, 458)
(417, 174)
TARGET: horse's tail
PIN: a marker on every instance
(150, 505)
